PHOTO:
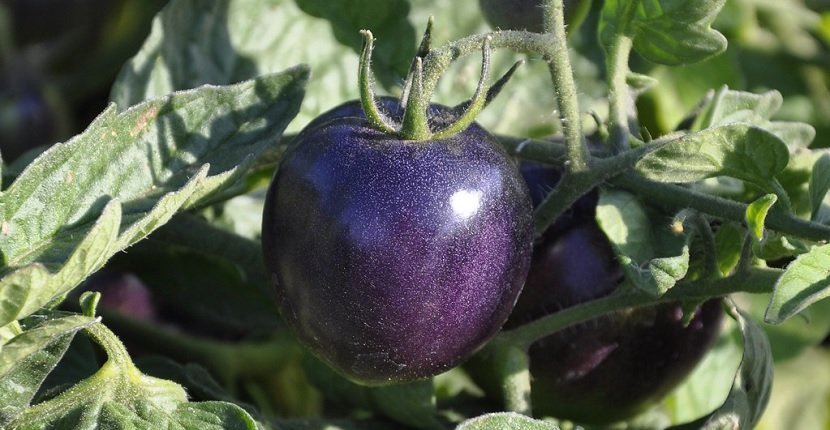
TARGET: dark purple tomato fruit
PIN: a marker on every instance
(615, 366)
(395, 260)
(527, 14)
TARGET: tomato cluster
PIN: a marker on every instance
(395, 260)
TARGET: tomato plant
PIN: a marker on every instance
(679, 249)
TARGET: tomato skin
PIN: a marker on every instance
(395, 260)
(610, 368)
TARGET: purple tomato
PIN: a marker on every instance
(395, 260)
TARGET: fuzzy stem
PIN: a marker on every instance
(680, 197)
(617, 54)
(618, 92)
(559, 64)
(117, 354)
(756, 280)
(668, 195)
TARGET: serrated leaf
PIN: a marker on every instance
(412, 403)
(132, 170)
(752, 386)
(119, 396)
(671, 32)
(27, 359)
(193, 42)
(624, 220)
(819, 184)
(736, 150)
(730, 106)
(806, 281)
(505, 420)
(756, 215)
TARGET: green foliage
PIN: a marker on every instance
(84, 200)
(739, 151)
(193, 43)
(197, 119)
(652, 258)
(672, 32)
(27, 359)
(751, 388)
(805, 281)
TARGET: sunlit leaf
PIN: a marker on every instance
(806, 281)
(671, 32)
(737, 150)
(84, 200)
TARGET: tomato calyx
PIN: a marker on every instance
(417, 92)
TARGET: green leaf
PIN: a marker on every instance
(119, 396)
(819, 184)
(793, 336)
(652, 258)
(737, 150)
(752, 386)
(387, 19)
(729, 240)
(709, 384)
(412, 403)
(126, 175)
(806, 281)
(221, 42)
(27, 359)
(671, 32)
(505, 420)
(756, 214)
(729, 107)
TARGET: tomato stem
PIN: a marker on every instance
(755, 280)
(617, 55)
(618, 93)
(559, 64)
